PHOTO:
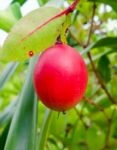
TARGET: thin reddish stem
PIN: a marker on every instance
(64, 12)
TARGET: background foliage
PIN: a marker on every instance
(25, 123)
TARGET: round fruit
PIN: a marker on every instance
(60, 77)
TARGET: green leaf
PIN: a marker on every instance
(45, 129)
(16, 10)
(112, 3)
(7, 114)
(95, 138)
(98, 56)
(114, 86)
(106, 42)
(22, 133)
(42, 2)
(9, 17)
(110, 42)
(3, 137)
(17, 48)
(7, 73)
(21, 2)
(114, 129)
(103, 68)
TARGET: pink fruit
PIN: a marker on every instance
(60, 77)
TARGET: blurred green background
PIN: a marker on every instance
(92, 124)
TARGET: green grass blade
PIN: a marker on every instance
(22, 134)
(10, 16)
(3, 136)
(45, 129)
(7, 73)
(7, 114)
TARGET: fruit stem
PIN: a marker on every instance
(71, 7)
(64, 12)
(59, 40)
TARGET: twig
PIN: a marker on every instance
(100, 81)
(107, 144)
(81, 118)
(96, 92)
(91, 27)
(85, 144)
(97, 106)
(75, 38)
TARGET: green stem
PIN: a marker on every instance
(9, 17)
(45, 129)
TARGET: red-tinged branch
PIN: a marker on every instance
(64, 12)
(100, 81)
(71, 7)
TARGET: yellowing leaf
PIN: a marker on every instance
(16, 48)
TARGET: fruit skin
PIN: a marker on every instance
(60, 77)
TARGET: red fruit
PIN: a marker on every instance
(60, 77)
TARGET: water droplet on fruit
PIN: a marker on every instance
(31, 53)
